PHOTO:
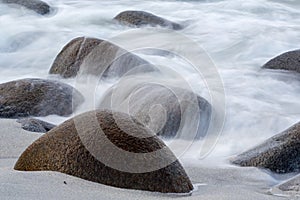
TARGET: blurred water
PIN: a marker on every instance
(240, 36)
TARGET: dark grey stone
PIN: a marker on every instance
(35, 125)
(286, 61)
(38, 6)
(142, 18)
(292, 185)
(37, 97)
(175, 106)
(280, 154)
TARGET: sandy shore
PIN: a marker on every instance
(211, 183)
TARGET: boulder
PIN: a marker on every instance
(286, 61)
(291, 186)
(89, 145)
(142, 18)
(37, 97)
(96, 57)
(35, 125)
(38, 6)
(167, 111)
(280, 154)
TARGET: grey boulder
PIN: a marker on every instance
(38, 6)
(35, 125)
(292, 185)
(168, 111)
(91, 56)
(280, 154)
(37, 97)
(142, 18)
(286, 61)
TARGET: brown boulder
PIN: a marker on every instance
(280, 154)
(64, 149)
(37, 97)
(96, 57)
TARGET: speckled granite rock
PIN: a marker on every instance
(142, 18)
(286, 61)
(281, 153)
(96, 57)
(37, 97)
(35, 125)
(64, 149)
(38, 6)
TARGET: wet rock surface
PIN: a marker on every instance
(280, 154)
(64, 149)
(35, 125)
(142, 18)
(39, 7)
(37, 97)
(96, 57)
(286, 61)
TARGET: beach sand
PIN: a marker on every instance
(210, 182)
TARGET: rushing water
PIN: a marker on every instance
(239, 36)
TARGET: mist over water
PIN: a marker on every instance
(239, 36)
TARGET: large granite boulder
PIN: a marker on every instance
(286, 61)
(96, 57)
(168, 111)
(109, 148)
(37, 97)
(35, 125)
(142, 18)
(280, 154)
(38, 6)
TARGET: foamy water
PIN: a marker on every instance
(239, 36)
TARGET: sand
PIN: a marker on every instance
(219, 182)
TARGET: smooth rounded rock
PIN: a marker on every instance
(142, 18)
(35, 125)
(280, 154)
(38, 6)
(291, 185)
(64, 149)
(37, 97)
(96, 57)
(167, 111)
(286, 61)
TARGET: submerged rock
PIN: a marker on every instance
(35, 125)
(96, 57)
(37, 97)
(20, 41)
(286, 61)
(167, 111)
(292, 185)
(38, 6)
(280, 154)
(142, 18)
(78, 148)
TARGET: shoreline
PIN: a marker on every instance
(211, 182)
